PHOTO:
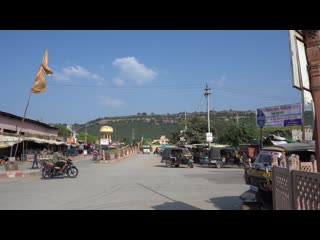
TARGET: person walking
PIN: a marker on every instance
(35, 159)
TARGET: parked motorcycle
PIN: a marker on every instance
(50, 171)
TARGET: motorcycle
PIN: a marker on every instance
(95, 155)
(50, 171)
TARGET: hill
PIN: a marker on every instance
(152, 126)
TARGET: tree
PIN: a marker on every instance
(195, 133)
(225, 132)
(81, 136)
(233, 133)
(63, 131)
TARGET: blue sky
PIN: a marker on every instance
(119, 73)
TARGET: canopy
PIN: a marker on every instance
(8, 141)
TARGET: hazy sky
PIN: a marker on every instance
(118, 73)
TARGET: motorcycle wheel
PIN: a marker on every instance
(72, 172)
(46, 173)
(190, 165)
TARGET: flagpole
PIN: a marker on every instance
(38, 86)
(24, 116)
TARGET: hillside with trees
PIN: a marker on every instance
(228, 127)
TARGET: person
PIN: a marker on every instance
(59, 162)
(156, 151)
(35, 159)
(95, 154)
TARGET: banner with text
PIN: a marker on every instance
(284, 115)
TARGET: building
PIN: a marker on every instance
(162, 140)
(297, 133)
(106, 133)
(10, 123)
(36, 135)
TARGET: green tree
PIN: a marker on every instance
(195, 133)
(225, 132)
(63, 130)
(147, 141)
(91, 139)
(233, 133)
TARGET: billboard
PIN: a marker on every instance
(70, 140)
(299, 65)
(104, 141)
(209, 137)
(281, 116)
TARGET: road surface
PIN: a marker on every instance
(139, 182)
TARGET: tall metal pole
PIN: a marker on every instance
(207, 93)
(312, 43)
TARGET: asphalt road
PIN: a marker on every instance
(139, 182)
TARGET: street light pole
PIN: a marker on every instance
(312, 44)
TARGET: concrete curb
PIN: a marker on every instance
(30, 173)
(20, 174)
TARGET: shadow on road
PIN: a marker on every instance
(175, 206)
(160, 165)
(227, 203)
(203, 165)
(164, 166)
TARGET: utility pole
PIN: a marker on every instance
(206, 94)
(185, 120)
(85, 136)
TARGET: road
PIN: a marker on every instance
(139, 182)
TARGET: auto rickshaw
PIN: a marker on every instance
(259, 174)
(224, 156)
(176, 156)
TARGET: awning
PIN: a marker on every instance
(8, 141)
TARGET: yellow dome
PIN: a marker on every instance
(106, 129)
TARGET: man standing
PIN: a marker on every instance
(35, 159)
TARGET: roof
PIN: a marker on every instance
(106, 129)
(27, 119)
(297, 146)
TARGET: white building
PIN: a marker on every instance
(297, 134)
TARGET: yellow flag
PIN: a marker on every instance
(39, 84)
(44, 63)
